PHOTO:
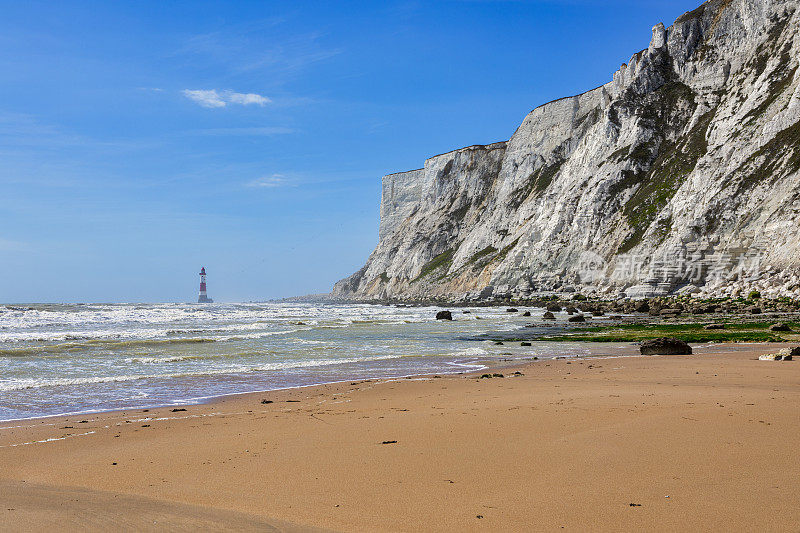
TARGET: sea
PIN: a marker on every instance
(79, 358)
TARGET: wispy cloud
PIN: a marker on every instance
(272, 182)
(213, 98)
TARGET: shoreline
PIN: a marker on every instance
(712, 431)
(498, 362)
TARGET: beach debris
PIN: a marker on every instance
(780, 327)
(785, 354)
(665, 346)
(178, 410)
(498, 376)
(444, 315)
(295, 401)
(576, 318)
(524, 343)
(518, 373)
(479, 516)
(714, 326)
(113, 464)
(486, 376)
(145, 425)
(389, 442)
(548, 316)
(265, 401)
(635, 504)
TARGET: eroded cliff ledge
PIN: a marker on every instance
(680, 174)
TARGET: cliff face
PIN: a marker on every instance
(680, 174)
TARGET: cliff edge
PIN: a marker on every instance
(681, 174)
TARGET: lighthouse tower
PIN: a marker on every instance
(203, 297)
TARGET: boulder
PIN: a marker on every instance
(642, 307)
(672, 311)
(754, 310)
(571, 310)
(794, 351)
(555, 308)
(548, 316)
(444, 315)
(665, 346)
(779, 327)
(770, 357)
(576, 318)
(526, 313)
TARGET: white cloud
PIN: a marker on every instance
(247, 99)
(206, 98)
(271, 182)
(213, 98)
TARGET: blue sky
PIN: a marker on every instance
(142, 140)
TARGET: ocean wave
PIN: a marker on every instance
(25, 384)
(69, 347)
(157, 360)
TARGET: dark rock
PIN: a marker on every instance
(576, 318)
(665, 346)
(266, 401)
(548, 316)
(466, 312)
(672, 311)
(526, 313)
(444, 315)
(598, 313)
(512, 310)
(571, 310)
(714, 326)
(555, 308)
(523, 343)
(498, 343)
(779, 327)
(389, 442)
(178, 410)
(642, 307)
(754, 310)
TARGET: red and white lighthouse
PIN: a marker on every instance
(203, 297)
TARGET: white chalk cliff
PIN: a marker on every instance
(680, 174)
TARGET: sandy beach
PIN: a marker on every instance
(703, 442)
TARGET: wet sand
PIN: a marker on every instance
(700, 442)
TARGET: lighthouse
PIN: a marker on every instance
(203, 297)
